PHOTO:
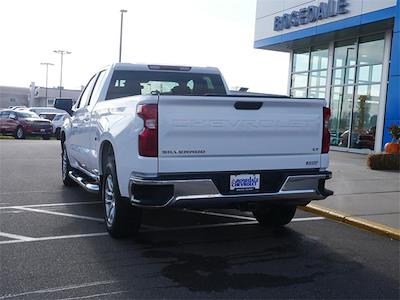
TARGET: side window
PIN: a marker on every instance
(97, 88)
(86, 93)
(210, 85)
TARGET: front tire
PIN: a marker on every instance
(121, 218)
(19, 133)
(66, 168)
(274, 216)
(46, 137)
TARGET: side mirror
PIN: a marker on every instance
(64, 104)
(13, 117)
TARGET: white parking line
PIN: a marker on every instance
(95, 295)
(57, 237)
(30, 192)
(50, 204)
(211, 213)
(59, 214)
(202, 226)
(59, 289)
(151, 229)
(16, 237)
(226, 224)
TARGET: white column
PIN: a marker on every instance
(331, 50)
(380, 123)
(290, 72)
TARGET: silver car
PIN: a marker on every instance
(57, 122)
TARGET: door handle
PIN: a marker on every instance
(248, 105)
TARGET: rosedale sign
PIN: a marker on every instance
(310, 14)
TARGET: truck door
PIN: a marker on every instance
(89, 135)
(79, 123)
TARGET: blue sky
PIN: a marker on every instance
(216, 33)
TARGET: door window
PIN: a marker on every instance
(85, 96)
(97, 88)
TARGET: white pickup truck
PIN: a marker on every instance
(151, 136)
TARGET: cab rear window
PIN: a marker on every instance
(132, 83)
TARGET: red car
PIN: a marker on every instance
(22, 123)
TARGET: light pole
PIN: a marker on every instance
(47, 64)
(120, 33)
(61, 52)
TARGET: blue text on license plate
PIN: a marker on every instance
(245, 182)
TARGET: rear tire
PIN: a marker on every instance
(66, 168)
(46, 137)
(19, 133)
(274, 215)
(121, 218)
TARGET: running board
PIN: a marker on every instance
(82, 182)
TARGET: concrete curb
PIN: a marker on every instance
(354, 221)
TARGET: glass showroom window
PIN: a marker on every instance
(309, 72)
(356, 82)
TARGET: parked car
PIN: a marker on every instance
(148, 136)
(17, 107)
(57, 123)
(23, 123)
(46, 112)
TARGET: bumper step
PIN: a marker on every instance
(92, 187)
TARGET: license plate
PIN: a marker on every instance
(42, 130)
(245, 182)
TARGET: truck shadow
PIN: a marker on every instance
(237, 260)
(242, 259)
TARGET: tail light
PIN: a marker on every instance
(148, 137)
(326, 135)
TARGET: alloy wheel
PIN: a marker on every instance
(20, 133)
(109, 200)
(64, 165)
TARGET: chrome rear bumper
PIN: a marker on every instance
(199, 192)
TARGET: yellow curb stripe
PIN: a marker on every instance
(354, 221)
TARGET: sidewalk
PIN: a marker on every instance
(361, 193)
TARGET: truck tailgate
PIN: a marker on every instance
(209, 134)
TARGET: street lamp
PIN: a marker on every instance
(47, 64)
(120, 33)
(61, 52)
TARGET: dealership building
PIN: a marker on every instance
(34, 96)
(345, 51)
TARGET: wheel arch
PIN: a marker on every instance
(103, 150)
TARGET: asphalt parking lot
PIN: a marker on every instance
(53, 245)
